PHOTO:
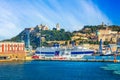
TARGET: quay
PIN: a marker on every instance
(82, 60)
(88, 59)
(93, 59)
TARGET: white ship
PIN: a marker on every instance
(59, 53)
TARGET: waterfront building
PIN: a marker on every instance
(12, 50)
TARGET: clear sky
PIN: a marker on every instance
(15, 15)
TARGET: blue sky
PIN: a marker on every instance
(15, 15)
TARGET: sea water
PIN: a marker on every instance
(59, 70)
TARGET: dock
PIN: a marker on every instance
(78, 60)
(84, 59)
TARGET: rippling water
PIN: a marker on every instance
(59, 70)
(113, 67)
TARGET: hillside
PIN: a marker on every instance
(46, 35)
(57, 34)
(94, 28)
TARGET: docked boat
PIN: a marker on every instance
(80, 52)
(46, 52)
(62, 54)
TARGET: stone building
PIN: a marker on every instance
(108, 35)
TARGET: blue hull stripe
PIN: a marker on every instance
(87, 52)
(44, 52)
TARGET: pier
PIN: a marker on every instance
(82, 60)
(85, 59)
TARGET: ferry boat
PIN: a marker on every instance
(80, 52)
(61, 54)
(46, 52)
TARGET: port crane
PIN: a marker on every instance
(110, 46)
(26, 39)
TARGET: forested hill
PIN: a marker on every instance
(47, 35)
(56, 35)
(94, 28)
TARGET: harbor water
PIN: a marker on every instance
(59, 70)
